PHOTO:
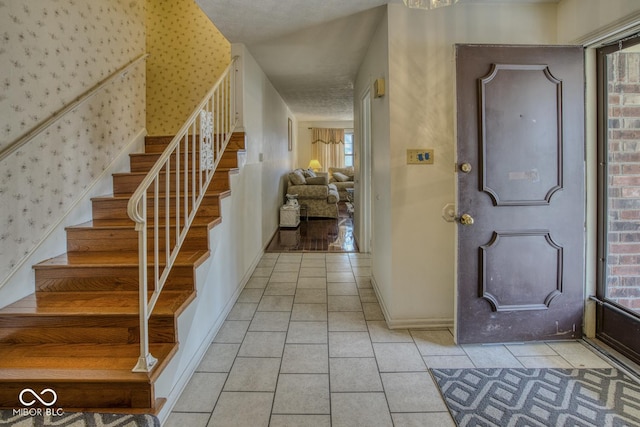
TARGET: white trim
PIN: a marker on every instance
(365, 178)
(106, 173)
(420, 324)
(383, 307)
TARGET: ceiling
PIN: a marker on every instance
(310, 50)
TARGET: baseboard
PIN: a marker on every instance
(420, 324)
(408, 323)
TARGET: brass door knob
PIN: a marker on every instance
(466, 219)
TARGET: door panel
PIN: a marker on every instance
(520, 266)
(510, 281)
(506, 111)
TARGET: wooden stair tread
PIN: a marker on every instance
(209, 193)
(160, 142)
(99, 303)
(123, 223)
(151, 155)
(120, 224)
(84, 362)
(229, 149)
(218, 169)
(116, 259)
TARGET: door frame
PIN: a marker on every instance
(613, 322)
(365, 181)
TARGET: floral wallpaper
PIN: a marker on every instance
(187, 55)
(52, 51)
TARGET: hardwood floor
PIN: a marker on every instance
(317, 234)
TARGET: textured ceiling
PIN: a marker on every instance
(309, 49)
(314, 68)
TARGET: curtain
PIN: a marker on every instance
(327, 146)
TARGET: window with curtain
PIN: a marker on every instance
(327, 146)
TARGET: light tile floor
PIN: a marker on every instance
(306, 344)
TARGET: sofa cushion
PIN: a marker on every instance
(340, 177)
(309, 173)
(309, 191)
(341, 186)
(317, 180)
(348, 171)
(297, 178)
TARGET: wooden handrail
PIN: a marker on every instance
(69, 107)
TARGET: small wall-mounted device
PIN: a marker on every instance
(420, 157)
(378, 88)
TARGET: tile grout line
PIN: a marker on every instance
(236, 356)
(273, 400)
(328, 349)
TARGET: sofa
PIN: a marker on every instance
(314, 191)
(343, 179)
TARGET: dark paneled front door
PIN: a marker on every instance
(520, 153)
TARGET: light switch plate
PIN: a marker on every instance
(420, 157)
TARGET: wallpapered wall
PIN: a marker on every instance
(52, 51)
(188, 54)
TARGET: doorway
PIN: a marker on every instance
(618, 272)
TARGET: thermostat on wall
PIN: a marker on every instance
(378, 88)
(420, 157)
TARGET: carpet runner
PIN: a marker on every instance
(9, 417)
(508, 397)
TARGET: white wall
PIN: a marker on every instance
(305, 137)
(417, 283)
(52, 54)
(268, 159)
(376, 65)
(578, 18)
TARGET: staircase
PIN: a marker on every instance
(78, 334)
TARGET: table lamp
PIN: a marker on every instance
(315, 165)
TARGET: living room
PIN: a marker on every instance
(318, 205)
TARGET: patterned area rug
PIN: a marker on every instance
(77, 419)
(540, 397)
